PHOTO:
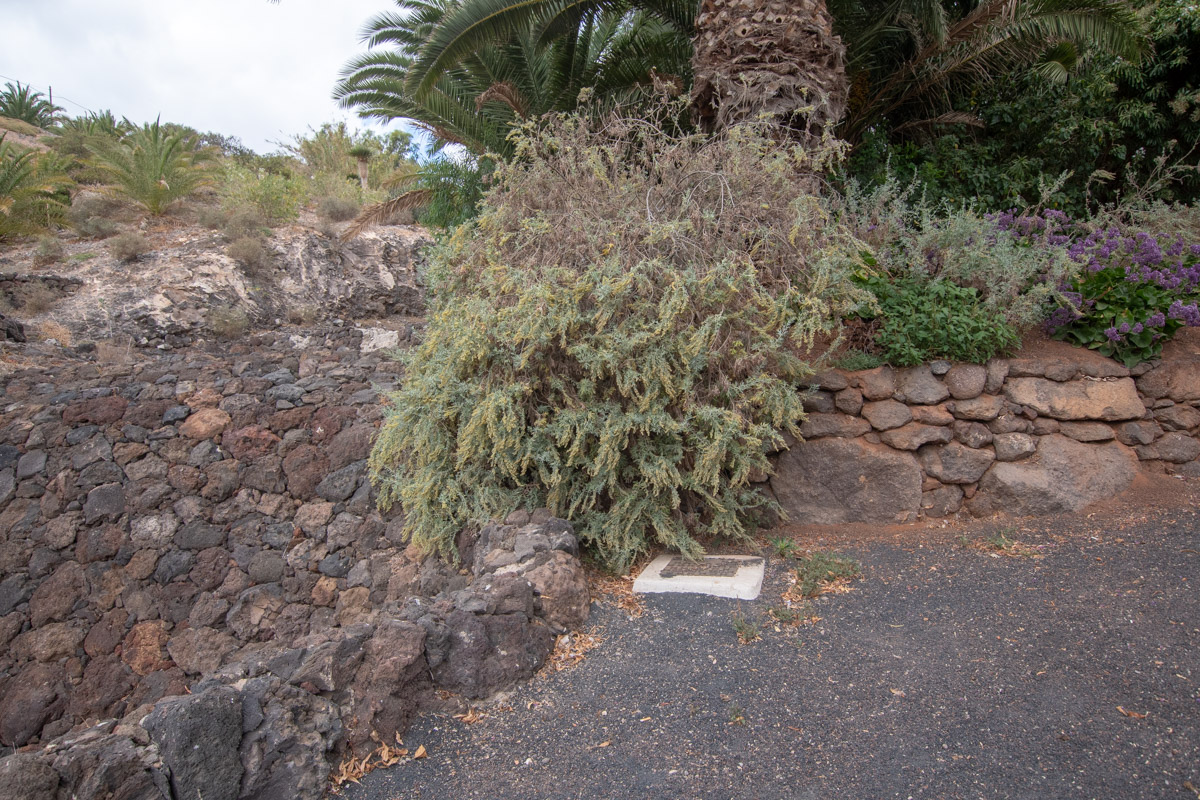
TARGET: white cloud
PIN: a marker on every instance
(247, 68)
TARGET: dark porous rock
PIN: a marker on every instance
(1064, 476)
(1009, 422)
(831, 481)
(104, 502)
(9, 455)
(920, 387)
(1178, 379)
(97, 411)
(251, 442)
(335, 565)
(954, 462)
(99, 544)
(942, 502)
(266, 567)
(57, 595)
(1178, 418)
(27, 776)
(972, 434)
(816, 402)
(1014, 446)
(350, 445)
(1108, 400)
(966, 381)
(561, 587)
(31, 464)
(886, 414)
(1177, 448)
(38, 694)
(8, 485)
(848, 401)
(52, 641)
(836, 425)
(392, 674)
(340, 484)
(331, 666)
(915, 435)
(251, 617)
(1086, 431)
(198, 737)
(284, 758)
(199, 651)
(979, 409)
(265, 474)
(105, 762)
(199, 535)
(221, 481)
(106, 634)
(305, 467)
(875, 384)
(105, 684)
(1142, 432)
(487, 653)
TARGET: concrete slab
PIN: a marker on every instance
(738, 577)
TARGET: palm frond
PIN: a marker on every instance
(380, 212)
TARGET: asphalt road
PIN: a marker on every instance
(948, 672)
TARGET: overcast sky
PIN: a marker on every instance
(262, 72)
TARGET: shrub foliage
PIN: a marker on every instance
(617, 338)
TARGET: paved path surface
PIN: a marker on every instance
(947, 673)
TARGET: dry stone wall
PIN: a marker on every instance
(197, 591)
(1021, 436)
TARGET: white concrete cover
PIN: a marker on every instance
(745, 585)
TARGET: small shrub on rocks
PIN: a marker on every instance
(274, 197)
(245, 222)
(128, 246)
(229, 322)
(338, 209)
(620, 347)
(249, 252)
(48, 251)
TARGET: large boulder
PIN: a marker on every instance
(1176, 379)
(831, 481)
(198, 736)
(1062, 476)
(1109, 400)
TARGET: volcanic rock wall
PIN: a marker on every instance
(1023, 436)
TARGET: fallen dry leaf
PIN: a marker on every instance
(1133, 714)
(898, 692)
(420, 752)
(472, 716)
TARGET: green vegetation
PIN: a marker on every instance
(820, 570)
(621, 347)
(128, 246)
(939, 319)
(32, 191)
(151, 166)
(21, 102)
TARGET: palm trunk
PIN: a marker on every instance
(774, 57)
(362, 172)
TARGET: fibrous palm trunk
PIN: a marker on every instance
(778, 57)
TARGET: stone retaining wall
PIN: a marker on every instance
(196, 589)
(1022, 436)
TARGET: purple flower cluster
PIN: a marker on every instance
(1143, 257)
(1189, 314)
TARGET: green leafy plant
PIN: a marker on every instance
(745, 628)
(274, 197)
(925, 321)
(152, 166)
(21, 102)
(621, 347)
(855, 360)
(784, 547)
(820, 570)
(1132, 296)
(32, 191)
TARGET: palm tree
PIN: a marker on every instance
(20, 102)
(909, 58)
(539, 67)
(151, 166)
(31, 190)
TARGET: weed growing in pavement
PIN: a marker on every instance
(822, 572)
(737, 715)
(784, 547)
(746, 628)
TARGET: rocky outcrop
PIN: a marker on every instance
(1022, 436)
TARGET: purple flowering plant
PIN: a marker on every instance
(1131, 291)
